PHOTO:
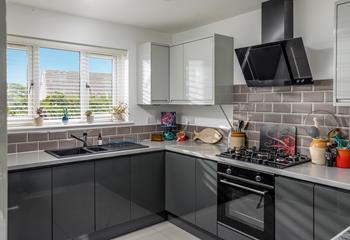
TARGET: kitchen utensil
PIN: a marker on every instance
(208, 135)
(227, 119)
(240, 125)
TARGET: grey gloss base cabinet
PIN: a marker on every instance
(86, 200)
(293, 209)
(73, 200)
(191, 190)
(29, 205)
(112, 186)
(332, 212)
(147, 184)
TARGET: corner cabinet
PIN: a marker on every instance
(73, 204)
(200, 73)
(147, 185)
(153, 74)
(342, 53)
(112, 192)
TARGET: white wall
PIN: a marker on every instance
(51, 25)
(313, 20)
(3, 130)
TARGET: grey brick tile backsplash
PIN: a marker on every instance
(291, 105)
(40, 136)
(17, 137)
(276, 105)
(313, 96)
(282, 108)
(272, 97)
(291, 97)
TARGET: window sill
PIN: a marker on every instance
(56, 127)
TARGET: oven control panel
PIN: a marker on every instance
(256, 176)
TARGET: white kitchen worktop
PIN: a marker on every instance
(334, 177)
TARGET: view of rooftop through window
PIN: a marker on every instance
(59, 82)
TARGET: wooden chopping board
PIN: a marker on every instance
(208, 135)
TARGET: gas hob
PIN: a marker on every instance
(270, 157)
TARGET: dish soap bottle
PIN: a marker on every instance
(99, 140)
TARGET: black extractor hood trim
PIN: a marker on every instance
(281, 59)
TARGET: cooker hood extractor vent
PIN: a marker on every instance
(281, 59)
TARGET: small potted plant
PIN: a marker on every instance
(119, 111)
(65, 117)
(89, 116)
(39, 117)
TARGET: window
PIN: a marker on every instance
(19, 104)
(59, 76)
(100, 84)
(59, 82)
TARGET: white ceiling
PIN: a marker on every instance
(162, 15)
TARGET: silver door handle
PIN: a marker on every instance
(13, 208)
(263, 193)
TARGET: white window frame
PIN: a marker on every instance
(33, 44)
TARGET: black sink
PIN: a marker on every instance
(96, 149)
(68, 152)
(111, 147)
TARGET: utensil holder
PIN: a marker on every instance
(238, 139)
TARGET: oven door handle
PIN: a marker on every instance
(263, 193)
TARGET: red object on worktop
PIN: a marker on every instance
(343, 158)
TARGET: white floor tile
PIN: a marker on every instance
(161, 231)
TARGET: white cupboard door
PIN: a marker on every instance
(198, 58)
(160, 73)
(343, 52)
(177, 75)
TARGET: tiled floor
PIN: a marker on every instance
(161, 231)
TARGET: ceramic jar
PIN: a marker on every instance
(238, 139)
(318, 150)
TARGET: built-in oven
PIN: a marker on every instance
(246, 202)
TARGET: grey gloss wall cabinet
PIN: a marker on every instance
(29, 201)
(191, 190)
(342, 53)
(196, 72)
(153, 74)
(294, 209)
(201, 71)
(332, 212)
(147, 184)
(73, 200)
(112, 186)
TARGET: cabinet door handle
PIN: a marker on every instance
(13, 208)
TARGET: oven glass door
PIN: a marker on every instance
(246, 208)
